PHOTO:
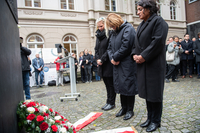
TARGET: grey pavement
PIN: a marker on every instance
(181, 106)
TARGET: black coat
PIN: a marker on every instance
(196, 47)
(87, 57)
(150, 44)
(106, 69)
(187, 46)
(24, 59)
(76, 61)
(119, 49)
(94, 65)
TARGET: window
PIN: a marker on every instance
(33, 3)
(35, 41)
(190, 1)
(136, 7)
(110, 5)
(70, 43)
(159, 6)
(67, 4)
(172, 10)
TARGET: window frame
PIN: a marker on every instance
(67, 3)
(189, 1)
(34, 43)
(110, 8)
(70, 43)
(32, 2)
(160, 9)
(171, 12)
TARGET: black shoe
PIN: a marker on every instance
(175, 80)
(120, 113)
(152, 127)
(109, 107)
(128, 115)
(104, 106)
(167, 81)
(146, 123)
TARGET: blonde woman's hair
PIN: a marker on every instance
(113, 19)
(102, 19)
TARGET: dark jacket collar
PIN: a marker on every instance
(144, 24)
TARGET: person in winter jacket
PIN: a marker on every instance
(197, 50)
(25, 68)
(173, 65)
(59, 79)
(87, 66)
(150, 55)
(105, 68)
(38, 65)
(121, 42)
(187, 55)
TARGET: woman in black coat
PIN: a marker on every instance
(105, 70)
(149, 53)
(124, 68)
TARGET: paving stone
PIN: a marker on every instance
(181, 104)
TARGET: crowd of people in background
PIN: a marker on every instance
(187, 55)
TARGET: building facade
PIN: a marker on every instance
(44, 23)
(192, 17)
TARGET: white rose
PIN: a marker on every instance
(51, 121)
(57, 117)
(62, 130)
(28, 101)
(31, 110)
(69, 124)
(43, 109)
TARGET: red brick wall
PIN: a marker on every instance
(192, 11)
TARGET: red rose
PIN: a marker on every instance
(57, 121)
(30, 117)
(54, 128)
(62, 122)
(51, 110)
(40, 118)
(31, 104)
(66, 127)
(46, 114)
(36, 110)
(66, 120)
(56, 113)
(74, 131)
(44, 126)
(62, 117)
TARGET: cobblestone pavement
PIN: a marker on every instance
(181, 107)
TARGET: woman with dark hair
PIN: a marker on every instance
(173, 65)
(149, 53)
(105, 68)
(124, 68)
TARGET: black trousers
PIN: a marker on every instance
(184, 65)
(172, 72)
(111, 95)
(181, 68)
(127, 102)
(154, 110)
(88, 73)
(167, 68)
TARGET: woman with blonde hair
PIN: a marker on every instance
(105, 68)
(121, 42)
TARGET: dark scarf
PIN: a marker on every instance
(100, 34)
